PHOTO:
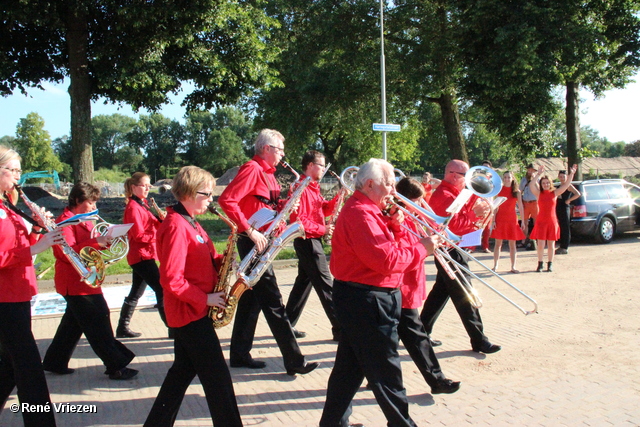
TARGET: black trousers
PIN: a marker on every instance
(197, 352)
(563, 212)
(265, 296)
(418, 345)
(146, 273)
(446, 288)
(368, 348)
(88, 315)
(313, 271)
(20, 364)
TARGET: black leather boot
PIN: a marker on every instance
(540, 265)
(123, 331)
(549, 266)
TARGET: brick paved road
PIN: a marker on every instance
(575, 363)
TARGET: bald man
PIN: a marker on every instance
(462, 223)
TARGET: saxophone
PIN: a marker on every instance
(88, 263)
(340, 198)
(222, 316)
(255, 263)
(156, 210)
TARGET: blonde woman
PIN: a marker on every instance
(506, 221)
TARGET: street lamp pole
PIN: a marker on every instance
(383, 83)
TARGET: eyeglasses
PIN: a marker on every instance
(207, 195)
(459, 173)
(319, 164)
(277, 148)
(12, 170)
(144, 186)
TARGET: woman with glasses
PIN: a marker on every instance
(188, 294)
(142, 251)
(20, 364)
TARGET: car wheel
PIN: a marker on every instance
(606, 230)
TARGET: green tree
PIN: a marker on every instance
(161, 140)
(222, 151)
(521, 50)
(33, 143)
(632, 149)
(108, 137)
(128, 159)
(7, 141)
(134, 52)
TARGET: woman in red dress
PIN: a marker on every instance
(546, 229)
(506, 221)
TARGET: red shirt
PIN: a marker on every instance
(142, 235)
(187, 273)
(17, 275)
(239, 201)
(67, 279)
(464, 221)
(365, 248)
(413, 286)
(312, 210)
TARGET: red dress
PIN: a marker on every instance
(507, 227)
(546, 226)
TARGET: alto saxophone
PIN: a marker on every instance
(88, 263)
(223, 316)
(155, 209)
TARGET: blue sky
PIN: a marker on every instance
(616, 116)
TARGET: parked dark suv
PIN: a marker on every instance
(606, 207)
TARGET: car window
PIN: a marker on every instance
(616, 191)
(633, 191)
(595, 192)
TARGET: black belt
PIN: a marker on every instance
(366, 287)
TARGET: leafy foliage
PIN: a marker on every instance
(34, 145)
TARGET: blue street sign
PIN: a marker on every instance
(386, 127)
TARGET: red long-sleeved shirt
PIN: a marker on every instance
(17, 275)
(313, 210)
(365, 248)
(464, 221)
(187, 272)
(142, 235)
(413, 284)
(239, 201)
(66, 278)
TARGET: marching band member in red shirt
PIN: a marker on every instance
(368, 264)
(87, 311)
(188, 274)
(142, 251)
(253, 188)
(20, 364)
(413, 288)
(462, 223)
(313, 270)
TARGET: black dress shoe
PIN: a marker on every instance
(487, 348)
(64, 371)
(123, 374)
(304, 369)
(298, 334)
(434, 343)
(445, 386)
(247, 362)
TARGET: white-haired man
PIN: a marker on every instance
(368, 265)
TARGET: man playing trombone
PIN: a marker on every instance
(368, 265)
(445, 287)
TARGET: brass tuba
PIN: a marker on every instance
(223, 316)
(88, 263)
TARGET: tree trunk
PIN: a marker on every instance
(574, 144)
(80, 94)
(451, 120)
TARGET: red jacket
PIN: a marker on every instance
(187, 272)
(67, 279)
(142, 235)
(464, 221)
(17, 275)
(414, 282)
(313, 210)
(239, 201)
(365, 248)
